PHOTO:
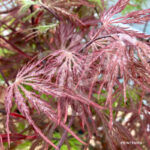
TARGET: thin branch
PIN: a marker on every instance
(93, 40)
(49, 10)
(65, 133)
(38, 45)
(32, 10)
(6, 81)
(16, 48)
(145, 27)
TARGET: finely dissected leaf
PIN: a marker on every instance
(19, 99)
(28, 75)
(89, 68)
(118, 7)
(59, 9)
(46, 108)
(8, 105)
(25, 110)
(138, 17)
(45, 28)
(114, 62)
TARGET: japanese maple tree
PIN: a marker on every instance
(70, 70)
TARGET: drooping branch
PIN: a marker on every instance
(65, 133)
(6, 81)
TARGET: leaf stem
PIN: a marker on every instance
(65, 133)
(6, 81)
(93, 40)
(16, 48)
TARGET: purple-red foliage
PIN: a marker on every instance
(82, 60)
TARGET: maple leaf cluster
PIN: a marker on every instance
(87, 59)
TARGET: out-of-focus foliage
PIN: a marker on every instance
(136, 5)
(99, 2)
